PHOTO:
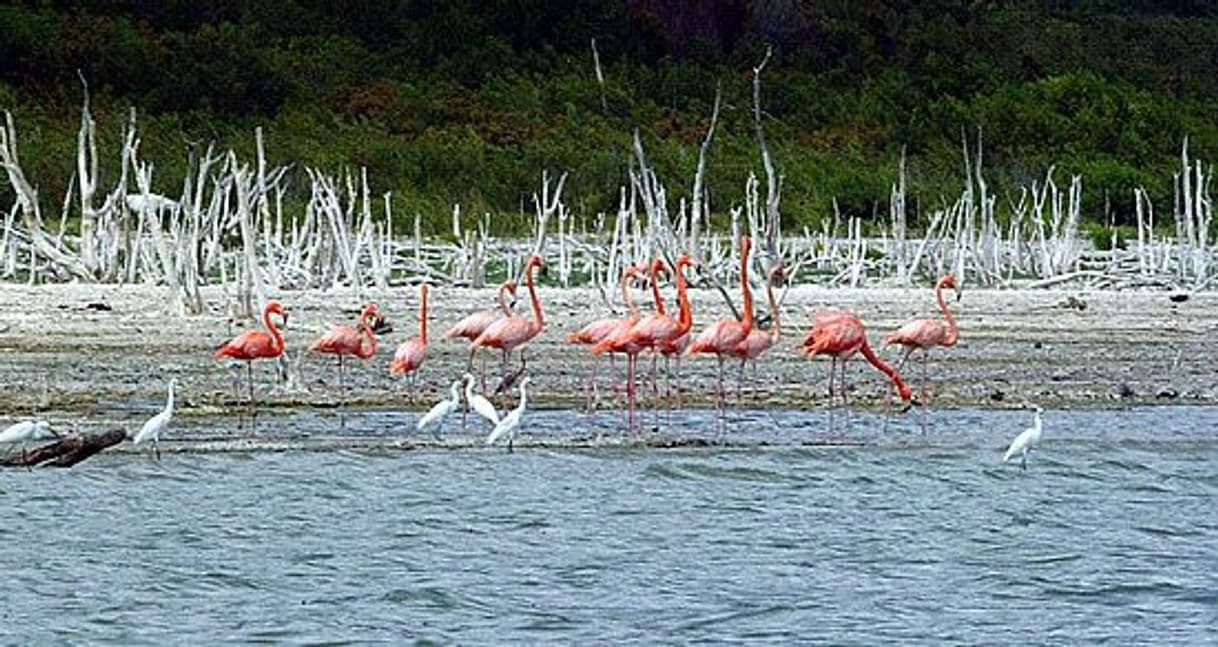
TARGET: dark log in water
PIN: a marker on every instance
(68, 451)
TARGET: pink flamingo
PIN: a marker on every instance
(722, 337)
(924, 334)
(509, 332)
(659, 331)
(596, 331)
(475, 324)
(345, 339)
(619, 340)
(759, 341)
(256, 344)
(412, 352)
(840, 334)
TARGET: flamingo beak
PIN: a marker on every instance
(959, 291)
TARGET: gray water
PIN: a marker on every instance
(1111, 534)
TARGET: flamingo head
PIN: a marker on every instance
(537, 261)
(274, 307)
(510, 288)
(658, 266)
(684, 260)
(635, 272)
(949, 281)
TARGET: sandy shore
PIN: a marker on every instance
(62, 357)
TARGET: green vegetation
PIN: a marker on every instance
(461, 101)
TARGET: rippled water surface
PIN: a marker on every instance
(1112, 533)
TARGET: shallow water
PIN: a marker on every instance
(1112, 533)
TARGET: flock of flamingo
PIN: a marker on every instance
(835, 333)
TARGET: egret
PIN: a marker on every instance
(441, 410)
(510, 422)
(27, 430)
(158, 423)
(478, 402)
(1026, 441)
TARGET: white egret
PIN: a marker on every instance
(27, 430)
(510, 422)
(478, 402)
(442, 409)
(1026, 441)
(158, 423)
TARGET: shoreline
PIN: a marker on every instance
(61, 357)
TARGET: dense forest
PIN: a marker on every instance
(448, 101)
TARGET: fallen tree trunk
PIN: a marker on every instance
(68, 451)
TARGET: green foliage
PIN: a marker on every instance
(462, 101)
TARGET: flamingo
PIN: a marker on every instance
(659, 331)
(475, 324)
(601, 329)
(511, 422)
(256, 344)
(345, 339)
(509, 332)
(724, 336)
(441, 410)
(924, 334)
(27, 430)
(840, 334)
(1025, 442)
(157, 424)
(759, 341)
(478, 402)
(619, 340)
(411, 353)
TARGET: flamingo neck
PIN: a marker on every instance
(423, 315)
(366, 328)
(744, 287)
(507, 312)
(884, 368)
(538, 321)
(687, 317)
(276, 336)
(655, 289)
(627, 297)
(953, 332)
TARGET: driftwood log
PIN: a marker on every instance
(68, 451)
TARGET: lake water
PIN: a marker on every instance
(1111, 534)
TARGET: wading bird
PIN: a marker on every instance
(509, 333)
(840, 334)
(511, 422)
(473, 325)
(599, 330)
(26, 430)
(724, 336)
(759, 341)
(411, 353)
(441, 410)
(157, 424)
(345, 339)
(478, 403)
(924, 334)
(1025, 442)
(661, 332)
(257, 344)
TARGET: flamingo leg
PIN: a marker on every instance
(630, 363)
(740, 381)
